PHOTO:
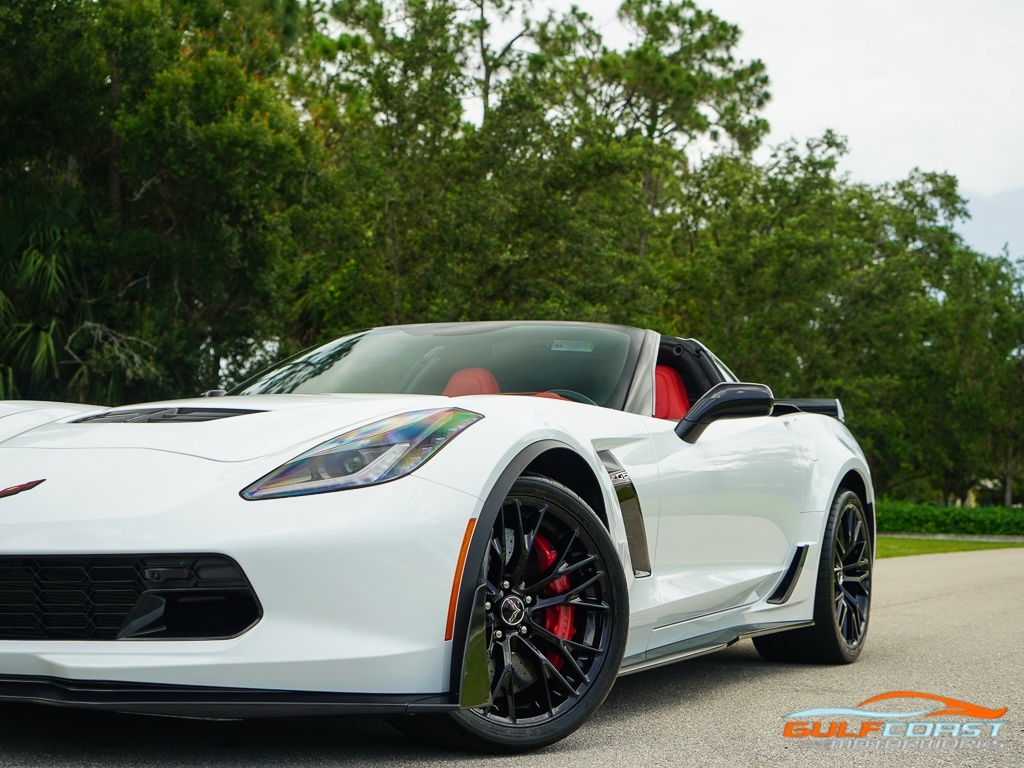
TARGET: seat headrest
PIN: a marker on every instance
(670, 399)
(471, 381)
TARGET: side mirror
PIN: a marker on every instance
(727, 400)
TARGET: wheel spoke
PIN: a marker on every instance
(850, 519)
(564, 644)
(861, 565)
(567, 597)
(841, 542)
(550, 668)
(560, 645)
(576, 668)
(565, 571)
(547, 687)
(855, 528)
(510, 699)
(856, 614)
(855, 555)
(842, 616)
(528, 541)
(555, 569)
(516, 560)
(503, 684)
(503, 546)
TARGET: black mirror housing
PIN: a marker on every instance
(728, 400)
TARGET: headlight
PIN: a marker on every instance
(376, 453)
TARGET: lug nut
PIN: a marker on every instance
(505, 585)
(527, 599)
(498, 634)
(522, 630)
(487, 606)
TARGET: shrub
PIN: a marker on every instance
(907, 517)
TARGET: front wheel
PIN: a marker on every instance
(842, 601)
(557, 617)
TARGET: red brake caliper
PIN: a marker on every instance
(557, 618)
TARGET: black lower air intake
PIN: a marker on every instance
(115, 597)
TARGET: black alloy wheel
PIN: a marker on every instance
(557, 617)
(851, 574)
(842, 600)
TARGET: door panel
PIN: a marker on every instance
(729, 513)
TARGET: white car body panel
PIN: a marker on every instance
(355, 585)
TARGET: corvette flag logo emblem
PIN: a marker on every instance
(16, 489)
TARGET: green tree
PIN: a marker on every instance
(150, 160)
(546, 205)
(824, 287)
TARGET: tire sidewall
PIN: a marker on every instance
(825, 606)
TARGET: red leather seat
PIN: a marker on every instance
(551, 396)
(670, 400)
(471, 381)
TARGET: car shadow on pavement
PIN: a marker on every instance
(41, 735)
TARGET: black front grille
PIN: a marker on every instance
(109, 597)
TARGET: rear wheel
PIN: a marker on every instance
(842, 600)
(557, 615)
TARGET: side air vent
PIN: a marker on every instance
(163, 415)
(785, 589)
(632, 517)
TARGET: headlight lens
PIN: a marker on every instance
(381, 451)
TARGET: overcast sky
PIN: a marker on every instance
(934, 84)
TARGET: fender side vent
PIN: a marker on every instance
(632, 517)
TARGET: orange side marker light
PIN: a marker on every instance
(449, 627)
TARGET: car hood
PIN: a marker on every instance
(204, 427)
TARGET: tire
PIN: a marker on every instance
(556, 633)
(842, 599)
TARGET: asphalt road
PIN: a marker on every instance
(949, 624)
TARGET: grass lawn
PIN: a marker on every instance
(891, 546)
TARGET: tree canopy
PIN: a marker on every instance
(192, 188)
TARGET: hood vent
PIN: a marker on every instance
(163, 416)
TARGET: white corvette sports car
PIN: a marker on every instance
(476, 526)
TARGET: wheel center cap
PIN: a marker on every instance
(512, 610)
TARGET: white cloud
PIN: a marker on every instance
(927, 83)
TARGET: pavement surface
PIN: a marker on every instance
(947, 624)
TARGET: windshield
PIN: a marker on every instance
(595, 361)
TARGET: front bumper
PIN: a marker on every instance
(354, 586)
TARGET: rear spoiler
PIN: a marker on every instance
(825, 406)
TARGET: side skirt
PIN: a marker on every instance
(703, 644)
